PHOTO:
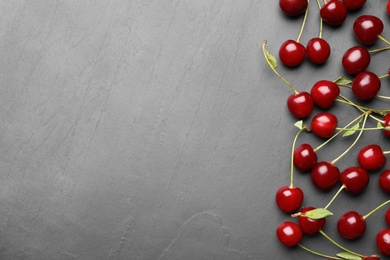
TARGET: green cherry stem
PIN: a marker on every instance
(292, 155)
(321, 21)
(386, 152)
(319, 254)
(335, 196)
(379, 50)
(380, 37)
(338, 245)
(303, 22)
(363, 109)
(374, 210)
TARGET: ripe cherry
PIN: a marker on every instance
(289, 199)
(300, 104)
(383, 241)
(333, 12)
(351, 225)
(388, 7)
(374, 257)
(310, 226)
(325, 175)
(292, 53)
(304, 157)
(354, 4)
(366, 85)
(356, 59)
(371, 157)
(289, 233)
(318, 50)
(387, 216)
(384, 180)
(293, 7)
(386, 122)
(324, 124)
(355, 179)
(367, 28)
(324, 93)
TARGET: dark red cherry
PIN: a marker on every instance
(333, 12)
(373, 257)
(354, 4)
(324, 93)
(388, 7)
(289, 199)
(367, 28)
(371, 157)
(304, 157)
(289, 233)
(351, 225)
(310, 226)
(300, 105)
(383, 241)
(384, 180)
(366, 85)
(386, 122)
(318, 50)
(387, 216)
(355, 179)
(293, 7)
(292, 53)
(325, 175)
(324, 124)
(356, 59)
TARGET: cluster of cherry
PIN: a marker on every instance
(325, 175)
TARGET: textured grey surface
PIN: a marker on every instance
(149, 129)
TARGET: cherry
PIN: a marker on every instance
(371, 157)
(289, 199)
(293, 7)
(354, 4)
(325, 175)
(333, 12)
(324, 124)
(356, 59)
(304, 157)
(383, 241)
(388, 7)
(367, 28)
(351, 225)
(292, 53)
(310, 226)
(355, 179)
(386, 122)
(384, 180)
(375, 257)
(324, 93)
(300, 104)
(289, 233)
(387, 216)
(366, 85)
(318, 50)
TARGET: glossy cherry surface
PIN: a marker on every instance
(324, 93)
(300, 105)
(333, 12)
(386, 122)
(387, 216)
(293, 7)
(318, 50)
(324, 175)
(304, 157)
(356, 59)
(371, 157)
(366, 85)
(289, 233)
(324, 124)
(289, 199)
(354, 4)
(292, 53)
(355, 179)
(310, 226)
(384, 180)
(366, 29)
(351, 225)
(383, 241)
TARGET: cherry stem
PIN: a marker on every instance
(384, 97)
(357, 138)
(334, 197)
(338, 245)
(380, 49)
(361, 129)
(386, 152)
(363, 109)
(321, 21)
(384, 76)
(374, 210)
(277, 73)
(303, 22)
(319, 254)
(292, 156)
(325, 2)
(383, 39)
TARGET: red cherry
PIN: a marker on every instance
(293, 7)
(300, 105)
(325, 175)
(304, 157)
(351, 225)
(374, 257)
(289, 233)
(356, 59)
(387, 216)
(383, 241)
(292, 53)
(367, 28)
(324, 124)
(310, 226)
(333, 12)
(324, 93)
(318, 50)
(355, 179)
(371, 157)
(384, 180)
(388, 7)
(289, 199)
(366, 85)
(386, 122)
(353, 4)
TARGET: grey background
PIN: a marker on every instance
(149, 129)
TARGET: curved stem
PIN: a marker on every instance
(380, 37)
(359, 129)
(338, 245)
(374, 210)
(319, 254)
(384, 97)
(334, 197)
(303, 22)
(380, 49)
(292, 157)
(364, 109)
(384, 76)
(321, 21)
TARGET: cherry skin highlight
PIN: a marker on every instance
(300, 105)
(310, 226)
(324, 124)
(371, 157)
(356, 59)
(289, 233)
(318, 50)
(355, 179)
(366, 85)
(384, 180)
(304, 157)
(333, 12)
(383, 241)
(367, 28)
(354, 4)
(324, 93)
(324, 175)
(293, 7)
(289, 199)
(292, 53)
(351, 225)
